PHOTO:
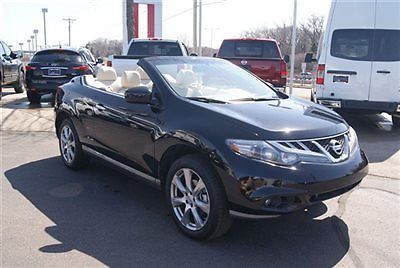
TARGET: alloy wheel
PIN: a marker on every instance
(190, 199)
(67, 143)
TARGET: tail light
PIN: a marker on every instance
(81, 68)
(109, 63)
(320, 74)
(29, 68)
(283, 70)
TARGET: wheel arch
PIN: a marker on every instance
(61, 116)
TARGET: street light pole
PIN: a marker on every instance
(69, 29)
(29, 44)
(293, 48)
(33, 44)
(35, 32)
(200, 25)
(20, 45)
(44, 10)
(195, 25)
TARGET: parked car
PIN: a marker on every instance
(259, 56)
(358, 60)
(215, 138)
(141, 48)
(11, 69)
(50, 68)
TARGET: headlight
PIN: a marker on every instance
(262, 151)
(353, 140)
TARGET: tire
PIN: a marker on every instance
(19, 85)
(70, 147)
(33, 97)
(186, 204)
(396, 121)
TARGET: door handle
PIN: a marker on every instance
(383, 72)
(100, 107)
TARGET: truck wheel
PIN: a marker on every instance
(396, 120)
(33, 97)
(70, 146)
(19, 85)
(196, 199)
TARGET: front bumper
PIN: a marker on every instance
(287, 190)
(372, 106)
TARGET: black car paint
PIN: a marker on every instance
(10, 66)
(147, 136)
(36, 81)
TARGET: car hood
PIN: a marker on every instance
(281, 119)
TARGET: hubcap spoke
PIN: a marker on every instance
(199, 186)
(186, 216)
(205, 207)
(197, 219)
(177, 201)
(177, 182)
(188, 179)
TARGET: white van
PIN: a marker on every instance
(359, 58)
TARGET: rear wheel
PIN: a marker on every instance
(33, 97)
(396, 120)
(19, 85)
(196, 199)
(70, 146)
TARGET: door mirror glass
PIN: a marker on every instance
(140, 94)
(286, 58)
(100, 61)
(20, 54)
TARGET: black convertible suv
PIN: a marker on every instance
(217, 140)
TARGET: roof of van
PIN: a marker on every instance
(250, 39)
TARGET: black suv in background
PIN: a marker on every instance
(50, 68)
(11, 69)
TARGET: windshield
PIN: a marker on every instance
(213, 79)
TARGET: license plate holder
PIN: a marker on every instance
(54, 71)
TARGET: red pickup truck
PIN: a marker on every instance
(260, 56)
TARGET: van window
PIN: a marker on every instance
(352, 44)
(249, 48)
(155, 49)
(387, 45)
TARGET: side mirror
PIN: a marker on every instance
(100, 61)
(140, 94)
(309, 58)
(193, 54)
(20, 55)
(286, 58)
(215, 55)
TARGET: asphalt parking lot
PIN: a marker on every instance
(52, 216)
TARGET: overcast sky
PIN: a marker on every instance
(103, 18)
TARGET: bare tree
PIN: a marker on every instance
(102, 47)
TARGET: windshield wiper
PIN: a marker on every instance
(204, 99)
(256, 99)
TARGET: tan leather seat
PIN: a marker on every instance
(106, 75)
(184, 79)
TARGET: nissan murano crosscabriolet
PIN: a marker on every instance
(218, 141)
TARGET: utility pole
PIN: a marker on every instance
(293, 48)
(35, 32)
(33, 44)
(69, 29)
(195, 25)
(200, 25)
(44, 10)
(29, 44)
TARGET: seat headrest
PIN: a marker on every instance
(185, 77)
(106, 73)
(130, 79)
(142, 73)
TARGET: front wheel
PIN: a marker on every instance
(396, 120)
(196, 199)
(70, 146)
(19, 85)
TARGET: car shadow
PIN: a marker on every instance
(376, 135)
(23, 103)
(122, 222)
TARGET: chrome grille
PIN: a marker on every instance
(329, 149)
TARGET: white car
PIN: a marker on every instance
(359, 58)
